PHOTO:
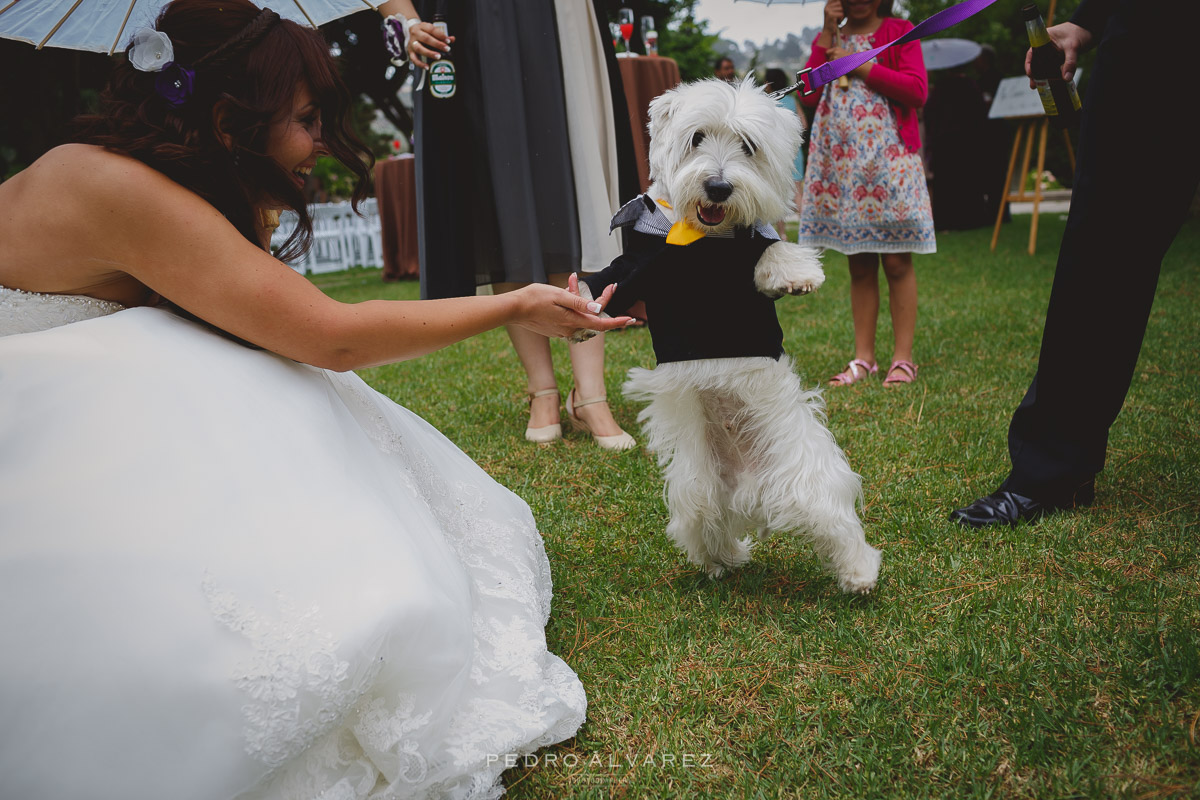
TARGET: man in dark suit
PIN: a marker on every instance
(1137, 174)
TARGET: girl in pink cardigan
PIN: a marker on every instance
(864, 189)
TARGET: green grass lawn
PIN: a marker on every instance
(1055, 660)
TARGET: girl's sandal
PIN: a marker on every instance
(856, 370)
(900, 372)
(547, 433)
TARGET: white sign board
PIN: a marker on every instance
(1014, 98)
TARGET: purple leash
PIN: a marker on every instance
(832, 70)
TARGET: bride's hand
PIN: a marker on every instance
(558, 313)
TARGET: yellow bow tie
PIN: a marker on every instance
(681, 232)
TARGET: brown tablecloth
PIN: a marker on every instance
(396, 193)
(645, 78)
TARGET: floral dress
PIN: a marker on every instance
(864, 191)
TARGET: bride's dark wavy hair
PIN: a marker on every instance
(248, 62)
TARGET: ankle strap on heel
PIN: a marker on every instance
(591, 401)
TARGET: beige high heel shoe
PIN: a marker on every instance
(620, 441)
(547, 433)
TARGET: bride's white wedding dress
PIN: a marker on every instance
(225, 574)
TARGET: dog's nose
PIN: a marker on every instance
(718, 190)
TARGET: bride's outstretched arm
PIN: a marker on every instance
(134, 219)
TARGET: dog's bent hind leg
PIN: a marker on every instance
(805, 484)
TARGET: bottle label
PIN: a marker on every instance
(1043, 90)
(441, 79)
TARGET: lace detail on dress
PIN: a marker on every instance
(367, 409)
(514, 697)
(512, 648)
(294, 665)
(28, 312)
(501, 550)
(394, 728)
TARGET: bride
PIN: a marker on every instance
(227, 567)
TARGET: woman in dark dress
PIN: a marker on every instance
(517, 173)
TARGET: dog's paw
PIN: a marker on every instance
(786, 268)
(860, 577)
(582, 335)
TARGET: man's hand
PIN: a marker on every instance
(1072, 40)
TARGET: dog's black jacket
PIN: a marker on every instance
(685, 287)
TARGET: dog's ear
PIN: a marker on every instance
(660, 111)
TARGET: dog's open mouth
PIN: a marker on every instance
(710, 215)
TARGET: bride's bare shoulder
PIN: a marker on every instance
(103, 191)
(80, 214)
(91, 170)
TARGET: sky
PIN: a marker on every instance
(759, 22)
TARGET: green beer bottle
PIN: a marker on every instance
(1059, 98)
(442, 78)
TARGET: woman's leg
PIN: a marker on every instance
(902, 296)
(864, 303)
(587, 363)
(534, 351)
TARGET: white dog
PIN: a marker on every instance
(742, 444)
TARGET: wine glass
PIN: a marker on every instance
(649, 36)
(615, 30)
(625, 16)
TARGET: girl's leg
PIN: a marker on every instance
(902, 296)
(534, 351)
(864, 303)
(587, 363)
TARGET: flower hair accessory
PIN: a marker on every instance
(152, 52)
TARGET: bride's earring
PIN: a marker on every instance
(268, 218)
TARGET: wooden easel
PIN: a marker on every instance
(1028, 128)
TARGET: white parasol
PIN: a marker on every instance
(104, 26)
(946, 53)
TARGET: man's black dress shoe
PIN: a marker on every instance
(1003, 507)
(998, 508)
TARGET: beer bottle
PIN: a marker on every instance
(442, 79)
(1059, 97)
